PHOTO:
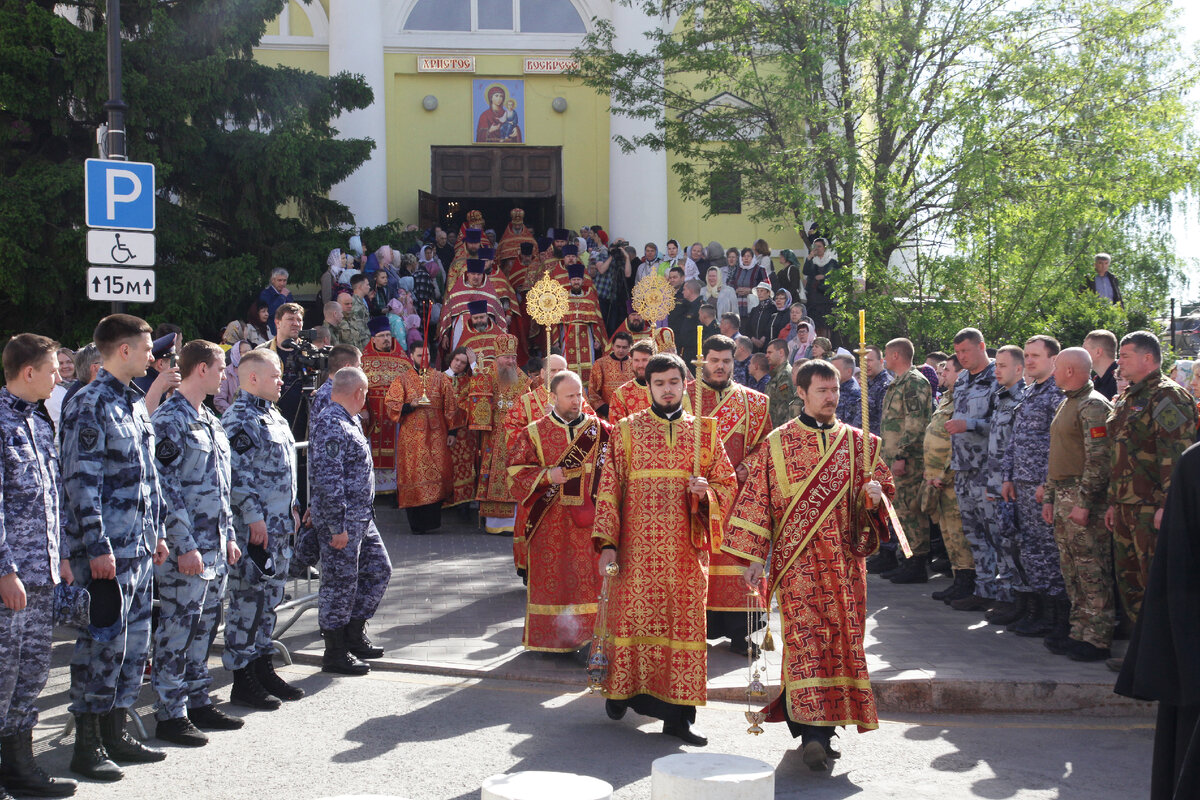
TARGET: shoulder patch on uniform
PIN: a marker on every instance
(166, 451)
(1098, 432)
(88, 438)
(331, 448)
(241, 442)
(1168, 415)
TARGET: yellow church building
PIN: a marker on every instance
(473, 110)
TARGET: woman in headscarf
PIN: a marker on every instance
(816, 270)
(404, 321)
(799, 334)
(231, 382)
(790, 277)
(715, 292)
(743, 276)
(783, 312)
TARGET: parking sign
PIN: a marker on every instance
(119, 194)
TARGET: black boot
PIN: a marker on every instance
(1008, 613)
(267, 677)
(19, 773)
(211, 718)
(180, 730)
(964, 589)
(247, 691)
(942, 594)
(1060, 629)
(683, 731)
(358, 643)
(881, 562)
(120, 746)
(1038, 619)
(913, 570)
(337, 659)
(90, 759)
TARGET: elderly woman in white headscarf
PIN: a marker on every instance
(715, 292)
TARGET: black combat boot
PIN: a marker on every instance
(265, 672)
(1008, 613)
(1086, 651)
(964, 589)
(20, 774)
(337, 659)
(211, 718)
(881, 562)
(90, 759)
(358, 643)
(180, 730)
(942, 594)
(1060, 630)
(120, 746)
(913, 570)
(1038, 619)
(247, 691)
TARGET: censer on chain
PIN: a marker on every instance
(597, 666)
(756, 690)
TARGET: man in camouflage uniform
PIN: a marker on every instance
(194, 467)
(342, 355)
(969, 427)
(1076, 486)
(29, 559)
(356, 565)
(1010, 388)
(907, 408)
(263, 498)
(849, 408)
(1151, 425)
(113, 529)
(938, 498)
(780, 388)
(878, 379)
(1023, 473)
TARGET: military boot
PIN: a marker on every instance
(962, 589)
(21, 774)
(942, 594)
(270, 680)
(120, 746)
(248, 691)
(90, 759)
(882, 561)
(1038, 619)
(913, 570)
(358, 643)
(1008, 613)
(1060, 625)
(337, 659)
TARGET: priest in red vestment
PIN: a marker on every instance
(580, 334)
(471, 286)
(664, 495)
(515, 235)
(494, 391)
(464, 451)
(810, 512)
(523, 269)
(480, 334)
(469, 243)
(610, 372)
(423, 402)
(382, 361)
(554, 468)
(636, 326)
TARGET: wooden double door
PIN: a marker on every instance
(493, 180)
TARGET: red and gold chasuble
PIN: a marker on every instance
(522, 276)
(382, 368)
(489, 403)
(465, 449)
(802, 506)
(482, 343)
(581, 332)
(556, 528)
(510, 242)
(645, 333)
(743, 420)
(608, 375)
(656, 623)
(456, 311)
(423, 471)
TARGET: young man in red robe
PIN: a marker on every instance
(383, 360)
(610, 372)
(580, 334)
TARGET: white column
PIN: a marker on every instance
(356, 46)
(637, 181)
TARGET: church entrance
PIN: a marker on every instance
(493, 180)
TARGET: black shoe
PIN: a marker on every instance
(1038, 619)
(1006, 613)
(180, 730)
(265, 672)
(964, 586)
(888, 574)
(684, 732)
(815, 756)
(337, 659)
(358, 643)
(21, 775)
(615, 709)
(211, 718)
(942, 594)
(89, 758)
(247, 691)
(881, 561)
(1060, 647)
(1086, 651)
(120, 746)
(913, 570)
(971, 603)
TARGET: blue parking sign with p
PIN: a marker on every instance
(119, 194)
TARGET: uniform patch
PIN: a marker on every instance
(1168, 416)
(1098, 432)
(331, 449)
(166, 451)
(88, 438)
(241, 442)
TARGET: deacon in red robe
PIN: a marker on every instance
(610, 372)
(469, 243)
(523, 269)
(494, 391)
(812, 508)
(554, 467)
(480, 334)
(471, 286)
(383, 361)
(580, 334)
(465, 450)
(515, 235)
(635, 326)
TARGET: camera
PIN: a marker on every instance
(309, 358)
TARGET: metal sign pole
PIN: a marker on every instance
(115, 145)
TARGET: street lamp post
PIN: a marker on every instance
(115, 135)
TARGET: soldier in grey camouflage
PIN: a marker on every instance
(340, 355)
(1010, 388)
(192, 452)
(30, 564)
(113, 529)
(878, 379)
(355, 564)
(265, 517)
(1023, 472)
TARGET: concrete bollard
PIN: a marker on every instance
(535, 785)
(711, 776)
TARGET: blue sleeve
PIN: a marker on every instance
(84, 439)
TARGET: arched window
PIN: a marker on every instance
(517, 16)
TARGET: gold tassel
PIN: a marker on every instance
(768, 643)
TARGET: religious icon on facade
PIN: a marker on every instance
(498, 106)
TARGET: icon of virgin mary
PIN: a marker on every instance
(499, 122)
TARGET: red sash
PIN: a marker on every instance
(580, 499)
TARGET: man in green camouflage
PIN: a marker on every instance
(907, 408)
(780, 388)
(938, 498)
(1151, 425)
(1074, 494)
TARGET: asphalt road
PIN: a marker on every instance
(426, 737)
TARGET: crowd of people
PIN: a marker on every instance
(684, 469)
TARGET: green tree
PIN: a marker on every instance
(966, 156)
(245, 155)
